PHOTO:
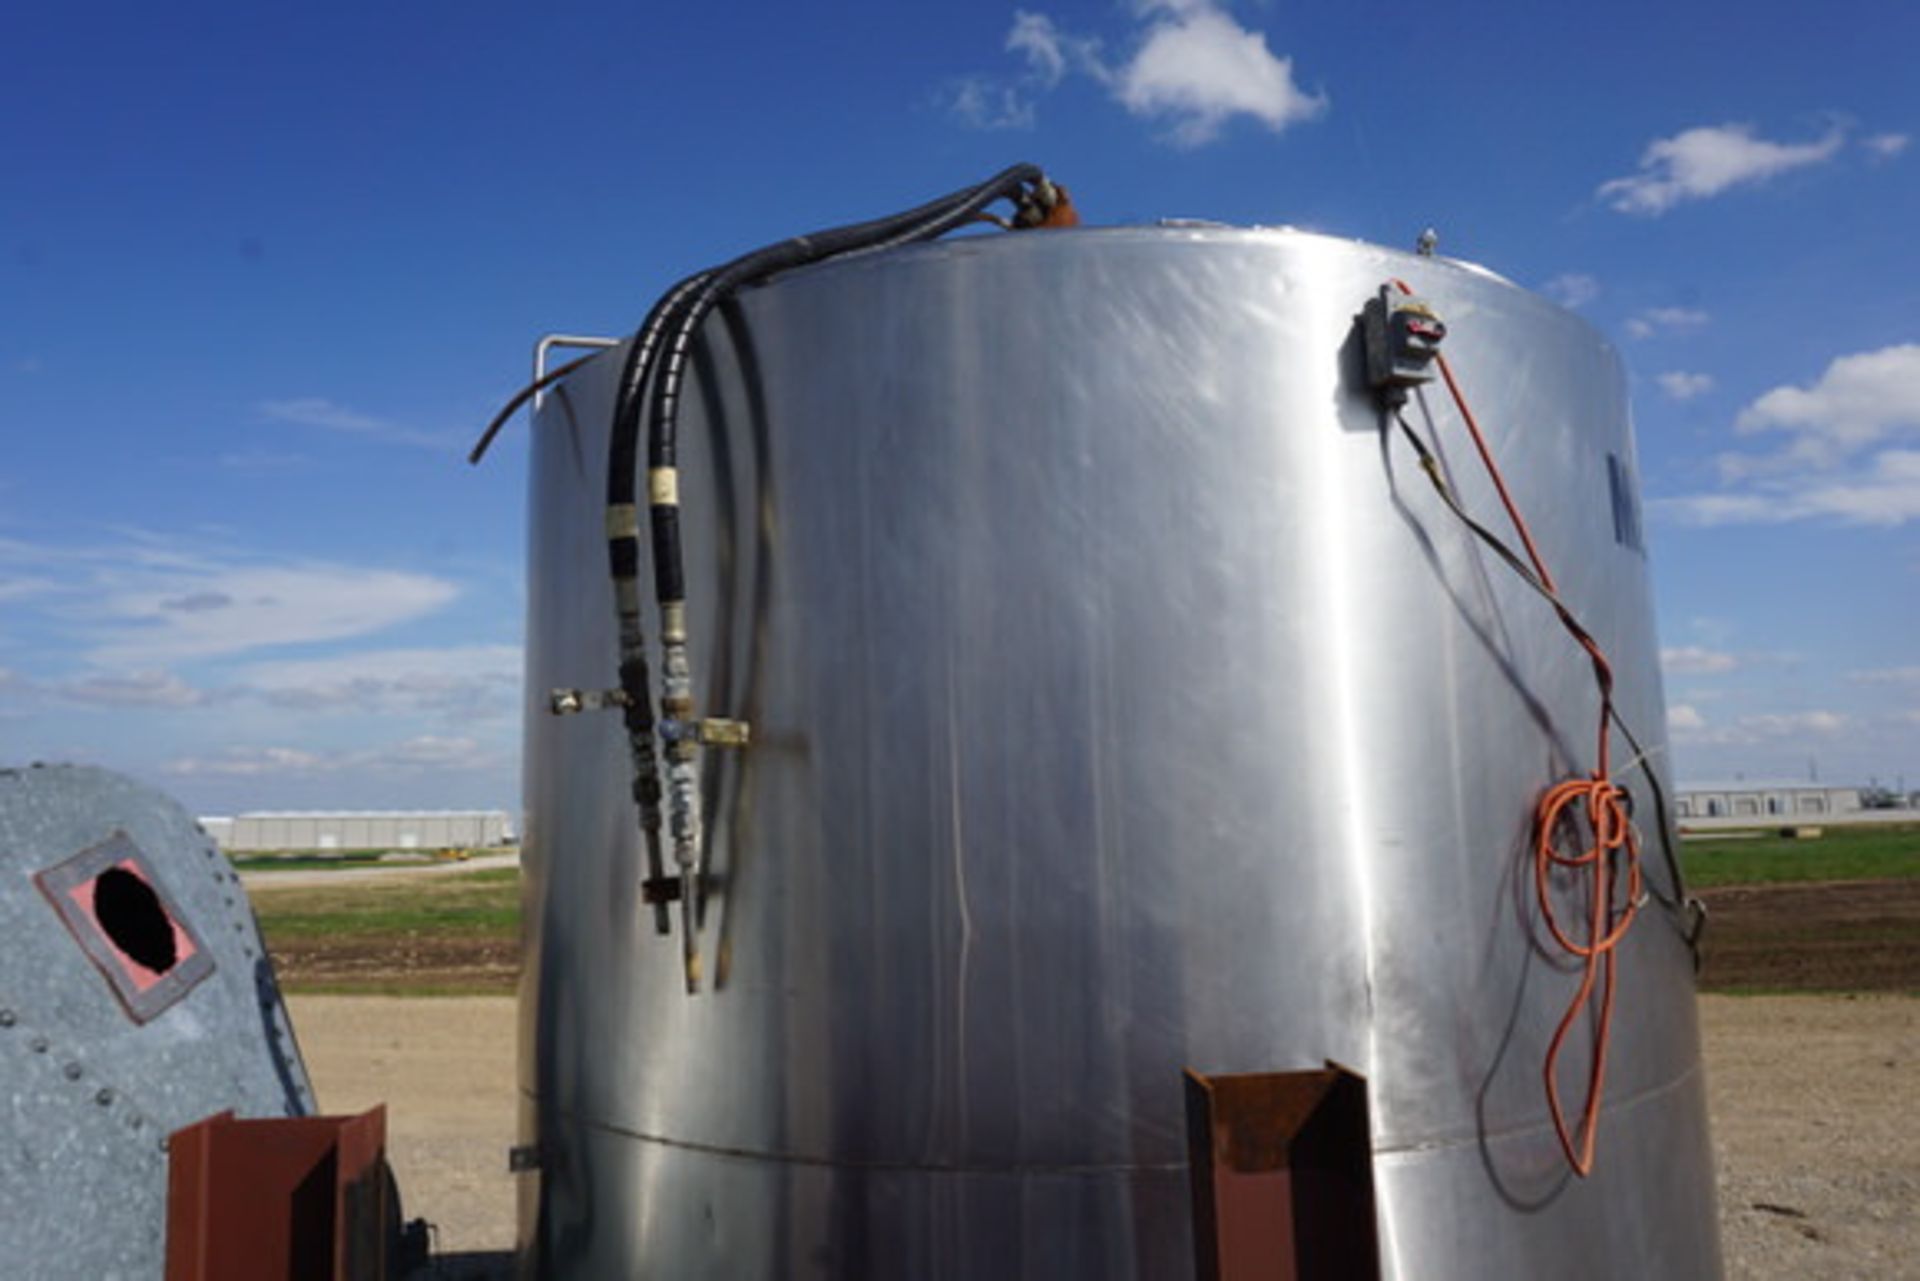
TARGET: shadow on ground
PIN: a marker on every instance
(483, 1265)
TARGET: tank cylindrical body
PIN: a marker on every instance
(1124, 700)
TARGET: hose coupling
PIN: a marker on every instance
(566, 702)
(709, 731)
(1044, 204)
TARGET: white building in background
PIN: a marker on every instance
(360, 830)
(1765, 801)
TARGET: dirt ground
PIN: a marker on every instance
(1838, 936)
(1811, 1098)
(416, 962)
(1845, 936)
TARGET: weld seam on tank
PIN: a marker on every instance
(1614, 1108)
(900, 1167)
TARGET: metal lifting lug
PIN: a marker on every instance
(565, 702)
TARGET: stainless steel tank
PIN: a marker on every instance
(1124, 701)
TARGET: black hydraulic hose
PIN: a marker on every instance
(649, 391)
(623, 555)
(926, 223)
(622, 447)
(623, 546)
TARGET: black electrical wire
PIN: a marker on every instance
(1431, 466)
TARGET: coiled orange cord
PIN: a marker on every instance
(1609, 825)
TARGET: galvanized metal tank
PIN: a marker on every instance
(136, 998)
(1124, 701)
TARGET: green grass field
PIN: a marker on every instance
(466, 903)
(330, 860)
(459, 932)
(1876, 853)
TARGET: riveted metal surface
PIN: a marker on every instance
(1122, 700)
(91, 1092)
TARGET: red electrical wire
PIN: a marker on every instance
(1614, 841)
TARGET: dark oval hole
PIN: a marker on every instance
(130, 912)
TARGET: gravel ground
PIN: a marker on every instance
(1812, 1100)
(444, 1066)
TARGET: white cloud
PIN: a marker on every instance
(1035, 36)
(1860, 399)
(1885, 146)
(1705, 161)
(131, 689)
(263, 460)
(1572, 289)
(16, 688)
(1888, 676)
(980, 102)
(147, 602)
(1656, 320)
(1684, 386)
(247, 762)
(423, 754)
(315, 411)
(1693, 660)
(148, 619)
(1198, 68)
(472, 680)
(1688, 727)
(1885, 492)
(1844, 456)
(1193, 67)
(1795, 724)
(23, 588)
(432, 752)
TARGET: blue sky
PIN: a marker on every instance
(264, 271)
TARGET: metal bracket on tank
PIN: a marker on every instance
(659, 889)
(707, 731)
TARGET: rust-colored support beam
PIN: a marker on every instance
(1281, 1168)
(300, 1199)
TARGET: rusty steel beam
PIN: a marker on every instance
(1281, 1172)
(294, 1199)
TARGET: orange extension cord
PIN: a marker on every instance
(1612, 835)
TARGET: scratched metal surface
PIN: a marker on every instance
(1123, 701)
